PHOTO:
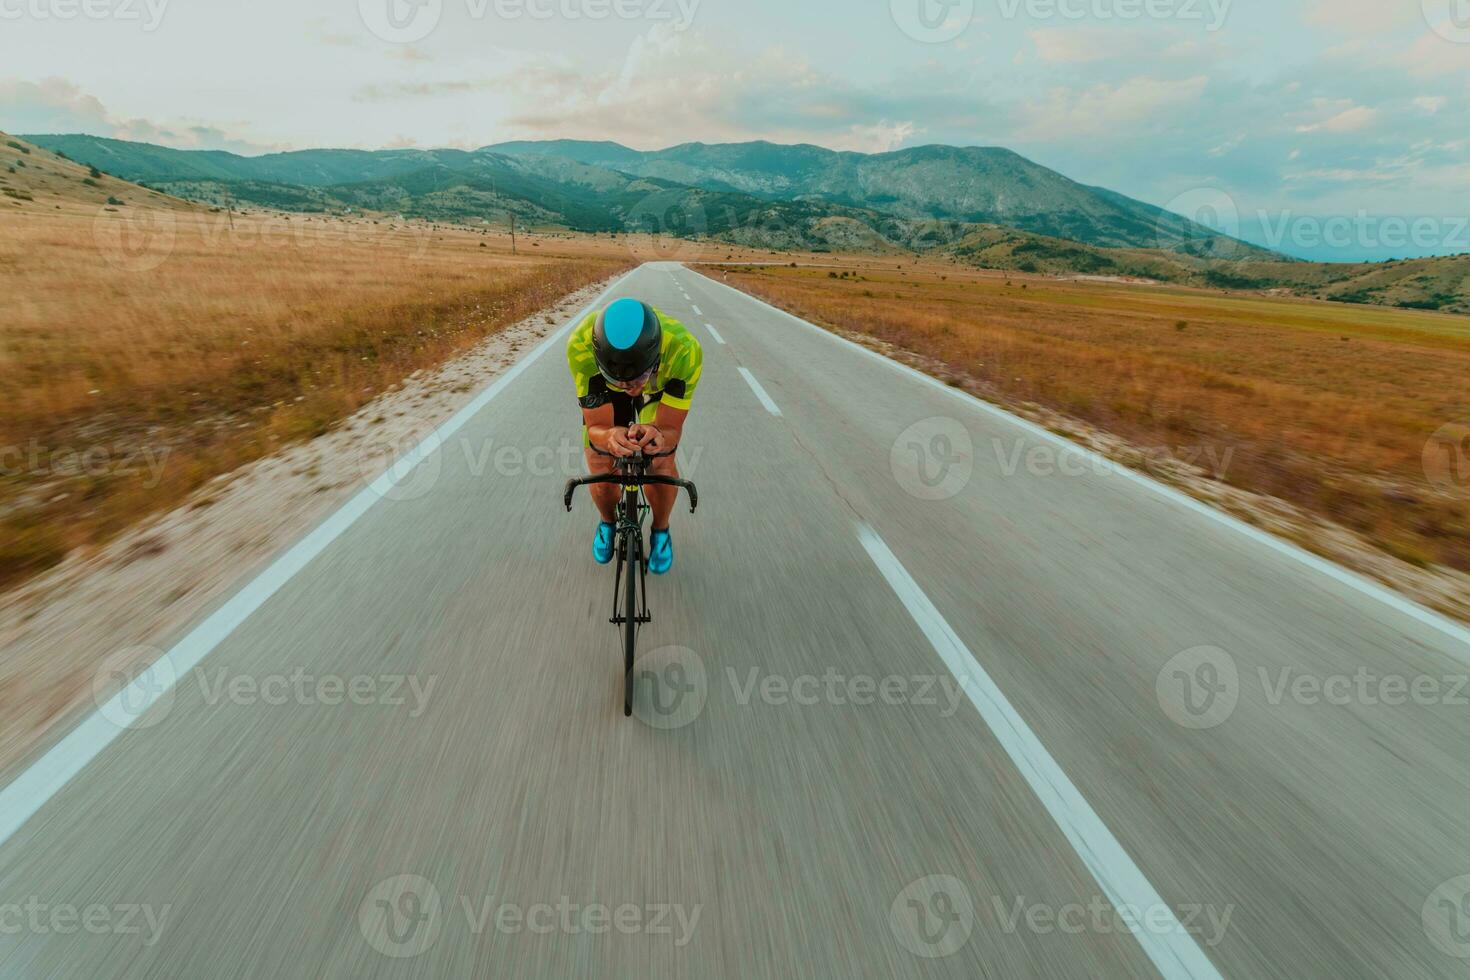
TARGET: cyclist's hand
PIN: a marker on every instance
(645, 436)
(620, 443)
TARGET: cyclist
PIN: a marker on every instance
(635, 370)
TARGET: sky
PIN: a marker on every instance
(1325, 128)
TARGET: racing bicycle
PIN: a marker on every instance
(630, 596)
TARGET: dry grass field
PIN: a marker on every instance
(148, 347)
(149, 344)
(1333, 408)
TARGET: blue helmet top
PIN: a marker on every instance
(627, 340)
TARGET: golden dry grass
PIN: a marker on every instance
(144, 351)
(1326, 406)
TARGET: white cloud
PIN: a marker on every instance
(678, 82)
(1069, 113)
(1348, 121)
(55, 105)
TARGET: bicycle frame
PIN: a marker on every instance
(631, 473)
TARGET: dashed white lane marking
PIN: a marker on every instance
(697, 310)
(1166, 941)
(760, 392)
(1352, 580)
(45, 777)
(715, 334)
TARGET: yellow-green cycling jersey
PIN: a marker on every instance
(681, 361)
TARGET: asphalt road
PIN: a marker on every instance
(925, 695)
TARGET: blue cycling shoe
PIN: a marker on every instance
(660, 551)
(602, 545)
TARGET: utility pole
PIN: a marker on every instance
(512, 233)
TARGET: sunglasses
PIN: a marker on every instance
(642, 379)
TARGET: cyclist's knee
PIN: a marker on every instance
(665, 466)
(597, 464)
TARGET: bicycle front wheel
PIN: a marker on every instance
(630, 621)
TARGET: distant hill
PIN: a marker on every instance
(972, 184)
(35, 178)
(983, 207)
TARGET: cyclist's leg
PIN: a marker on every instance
(661, 500)
(605, 495)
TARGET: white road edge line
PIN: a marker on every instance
(760, 392)
(1174, 952)
(698, 311)
(1353, 580)
(715, 334)
(45, 777)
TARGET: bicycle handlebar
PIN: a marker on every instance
(634, 480)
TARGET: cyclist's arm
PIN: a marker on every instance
(668, 423)
(604, 433)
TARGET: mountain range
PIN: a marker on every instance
(978, 206)
(744, 190)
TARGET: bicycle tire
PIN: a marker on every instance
(630, 624)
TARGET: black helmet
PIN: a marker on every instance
(627, 340)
